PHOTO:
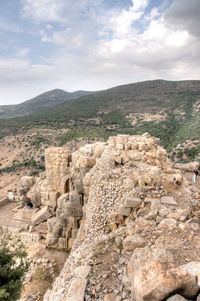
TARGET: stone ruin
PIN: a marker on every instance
(126, 214)
(58, 194)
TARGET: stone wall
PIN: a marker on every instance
(28, 239)
(136, 220)
(128, 217)
(57, 163)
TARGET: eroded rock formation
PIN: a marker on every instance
(128, 217)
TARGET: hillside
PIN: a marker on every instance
(166, 109)
(39, 103)
(163, 108)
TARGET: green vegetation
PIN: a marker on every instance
(13, 265)
(104, 114)
(42, 102)
(28, 163)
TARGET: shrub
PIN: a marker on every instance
(13, 265)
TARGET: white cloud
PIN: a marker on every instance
(98, 48)
(122, 23)
(43, 10)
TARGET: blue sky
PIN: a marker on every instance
(94, 44)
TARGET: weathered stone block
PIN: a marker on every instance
(116, 219)
(168, 200)
(42, 227)
(70, 243)
(72, 222)
(79, 186)
(25, 214)
(51, 222)
(133, 242)
(42, 215)
(67, 232)
(132, 202)
(169, 223)
(124, 210)
(53, 196)
(77, 286)
(62, 243)
(74, 233)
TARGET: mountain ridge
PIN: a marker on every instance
(159, 107)
(40, 102)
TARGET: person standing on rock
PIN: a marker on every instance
(194, 176)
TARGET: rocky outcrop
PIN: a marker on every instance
(129, 219)
(154, 275)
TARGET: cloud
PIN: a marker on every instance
(87, 44)
(57, 10)
(184, 15)
(43, 10)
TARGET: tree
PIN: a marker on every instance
(13, 266)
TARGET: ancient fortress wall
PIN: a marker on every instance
(126, 216)
(57, 163)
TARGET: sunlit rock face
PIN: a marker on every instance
(126, 215)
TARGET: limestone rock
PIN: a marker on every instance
(77, 287)
(42, 215)
(168, 200)
(133, 242)
(132, 202)
(69, 205)
(25, 214)
(27, 182)
(169, 223)
(154, 276)
(124, 210)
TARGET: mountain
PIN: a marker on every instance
(169, 110)
(39, 103)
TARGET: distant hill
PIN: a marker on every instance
(169, 110)
(39, 103)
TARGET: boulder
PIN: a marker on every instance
(133, 242)
(69, 205)
(77, 286)
(27, 182)
(42, 228)
(124, 210)
(154, 276)
(42, 215)
(25, 214)
(169, 223)
(168, 200)
(132, 202)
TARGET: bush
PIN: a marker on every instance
(13, 265)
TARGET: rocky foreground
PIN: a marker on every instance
(129, 217)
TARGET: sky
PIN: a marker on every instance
(95, 44)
